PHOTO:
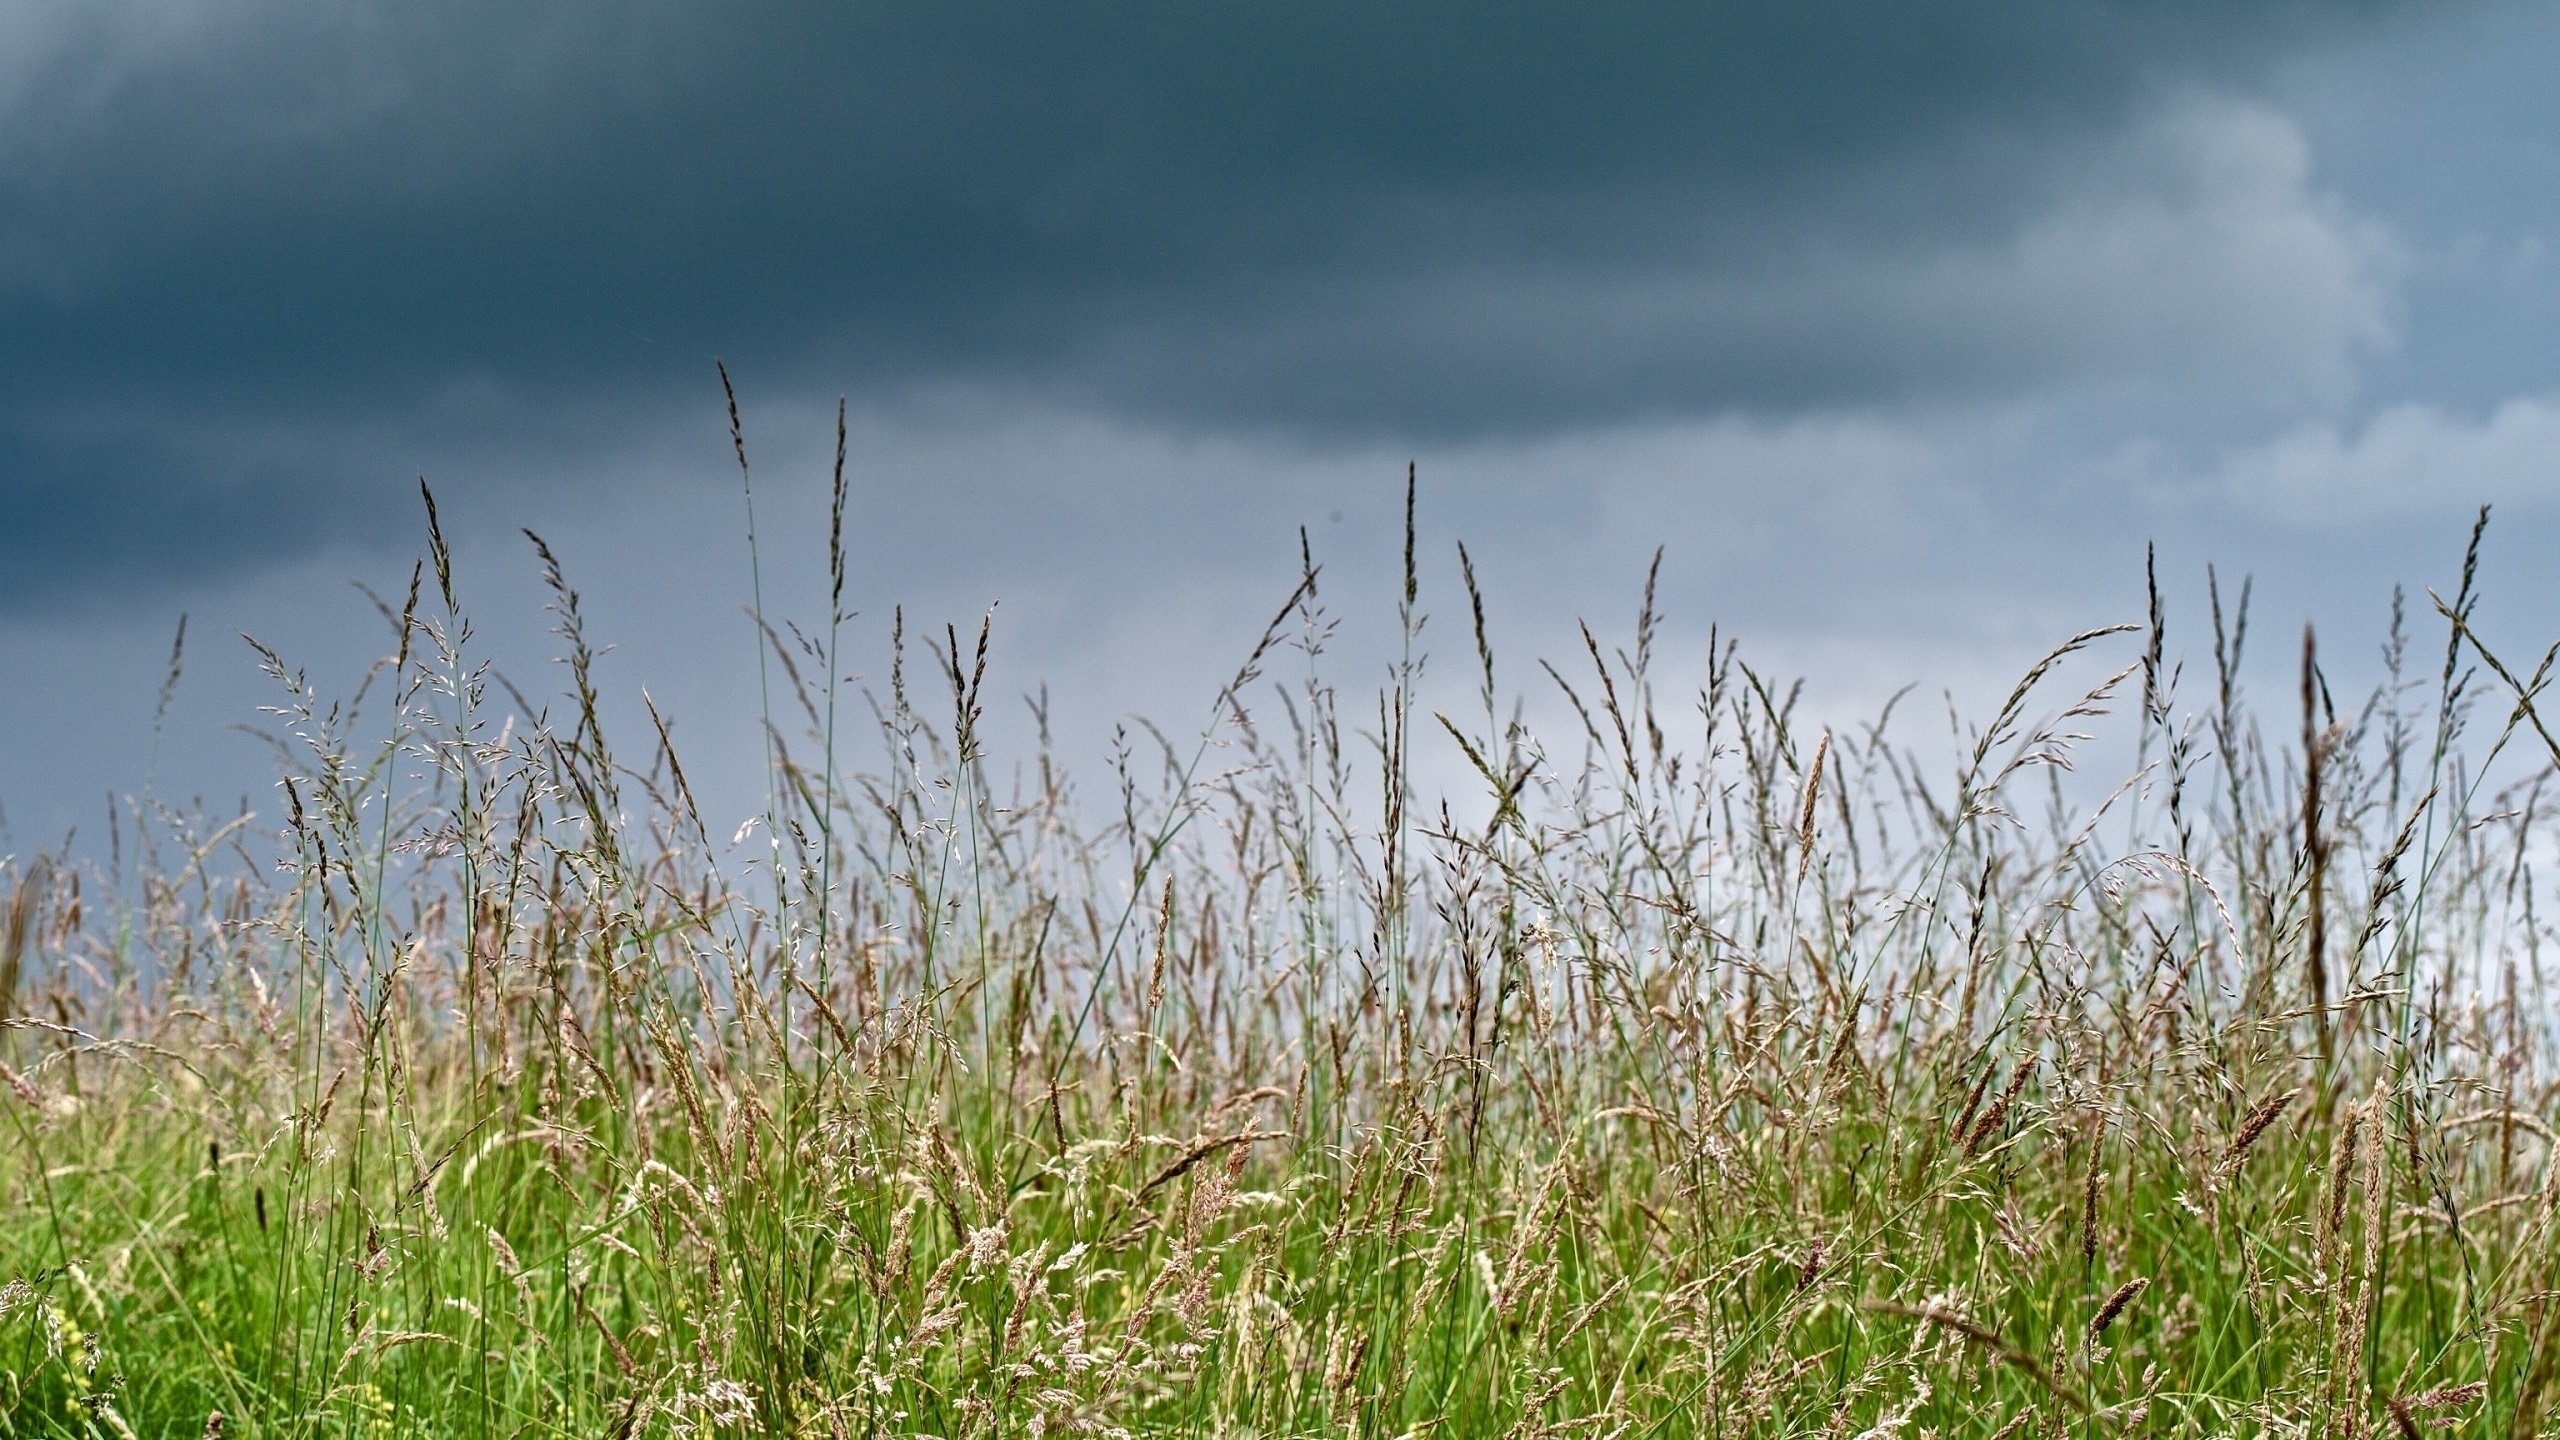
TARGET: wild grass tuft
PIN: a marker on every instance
(1698, 1076)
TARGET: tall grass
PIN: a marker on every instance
(1692, 1074)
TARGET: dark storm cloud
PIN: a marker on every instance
(1319, 217)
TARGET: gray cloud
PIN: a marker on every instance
(986, 184)
(260, 260)
(2195, 256)
(2404, 459)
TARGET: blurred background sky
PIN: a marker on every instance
(1901, 327)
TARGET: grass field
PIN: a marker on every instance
(1696, 1072)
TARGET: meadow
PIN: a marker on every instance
(1693, 1070)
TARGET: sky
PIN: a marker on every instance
(1901, 330)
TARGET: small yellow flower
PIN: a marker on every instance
(70, 1343)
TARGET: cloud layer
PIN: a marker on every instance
(237, 237)
(1903, 328)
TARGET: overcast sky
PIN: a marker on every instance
(1903, 327)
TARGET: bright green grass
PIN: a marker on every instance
(1699, 1076)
